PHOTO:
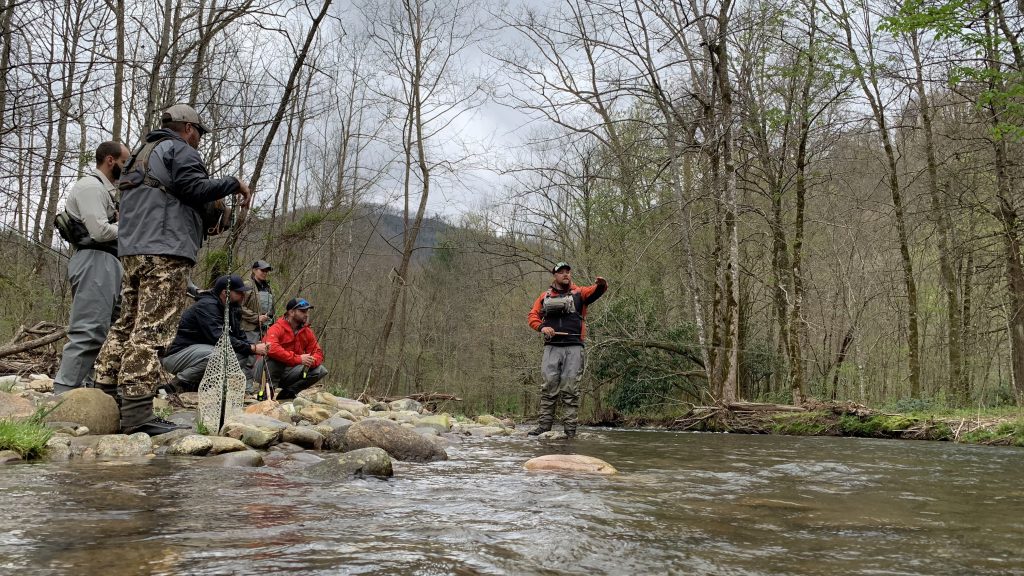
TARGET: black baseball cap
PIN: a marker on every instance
(262, 265)
(233, 282)
(300, 303)
(560, 266)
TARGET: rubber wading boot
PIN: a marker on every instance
(109, 390)
(62, 388)
(539, 430)
(137, 416)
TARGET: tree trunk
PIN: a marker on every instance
(958, 384)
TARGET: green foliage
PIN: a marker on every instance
(304, 226)
(1008, 433)
(27, 298)
(336, 389)
(213, 265)
(880, 426)
(908, 405)
(958, 20)
(800, 424)
(643, 378)
(27, 437)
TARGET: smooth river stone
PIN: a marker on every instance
(570, 463)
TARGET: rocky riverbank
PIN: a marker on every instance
(327, 436)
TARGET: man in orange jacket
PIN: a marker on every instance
(559, 315)
(295, 360)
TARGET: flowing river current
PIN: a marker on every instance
(681, 504)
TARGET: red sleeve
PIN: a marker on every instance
(534, 318)
(318, 354)
(277, 350)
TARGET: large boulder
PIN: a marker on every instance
(303, 436)
(354, 407)
(570, 463)
(40, 383)
(58, 448)
(124, 446)
(89, 407)
(252, 435)
(224, 445)
(269, 408)
(240, 459)
(337, 422)
(14, 407)
(404, 417)
(254, 430)
(315, 413)
(8, 382)
(488, 420)
(191, 445)
(171, 437)
(399, 442)
(488, 431)
(440, 422)
(357, 463)
(406, 404)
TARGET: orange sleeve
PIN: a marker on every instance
(534, 318)
(591, 293)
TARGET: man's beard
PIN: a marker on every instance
(115, 171)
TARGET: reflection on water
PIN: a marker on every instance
(682, 504)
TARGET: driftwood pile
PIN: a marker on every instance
(33, 350)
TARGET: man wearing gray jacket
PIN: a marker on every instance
(164, 188)
(94, 270)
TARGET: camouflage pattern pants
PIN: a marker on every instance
(562, 368)
(152, 299)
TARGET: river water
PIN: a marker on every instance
(682, 504)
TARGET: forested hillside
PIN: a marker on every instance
(789, 199)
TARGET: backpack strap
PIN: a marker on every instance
(141, 159)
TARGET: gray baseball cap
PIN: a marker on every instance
(262, 265)
(184, 113)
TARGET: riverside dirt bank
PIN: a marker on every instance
(991, 426)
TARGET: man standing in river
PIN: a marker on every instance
(559, 315)
(94, 270)
(163, 190)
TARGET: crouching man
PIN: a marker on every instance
(294, 361)
(201, 327)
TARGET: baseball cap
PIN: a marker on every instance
(184, 113)
(559, 266)
(300, 303)
(262, 265)
(232, 282)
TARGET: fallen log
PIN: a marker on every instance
(762, 407)
(34, 343)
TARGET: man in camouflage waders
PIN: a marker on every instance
(164, 190)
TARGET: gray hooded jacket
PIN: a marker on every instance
(158, 223)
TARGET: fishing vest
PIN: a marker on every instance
(564, 313)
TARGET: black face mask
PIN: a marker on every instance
(115, 171)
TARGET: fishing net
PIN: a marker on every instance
(222, 390)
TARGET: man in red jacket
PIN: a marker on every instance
(559, 314)
(295, 360)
